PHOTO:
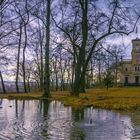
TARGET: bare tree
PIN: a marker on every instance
(18, 57)
(47, 46)
(91, 29)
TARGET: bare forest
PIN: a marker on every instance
(57, 45)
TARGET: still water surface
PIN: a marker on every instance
(43, 120)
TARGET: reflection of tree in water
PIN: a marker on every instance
(19, 111)
(20, 120)
(45, 107)
(77, 116)
(1, 102)
(38, 121)
(44, 126)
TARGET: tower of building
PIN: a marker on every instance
(136, 59)
(136, 52)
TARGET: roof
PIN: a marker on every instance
(126, 61)
(137, 39)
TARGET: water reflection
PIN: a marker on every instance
(77, 116)
(44, 120)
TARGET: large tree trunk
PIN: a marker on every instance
(81, 57)
(76, 87)
(83, 83)
(47, 68)
(2, 83)
(18, 58)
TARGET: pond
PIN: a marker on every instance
(43, 120)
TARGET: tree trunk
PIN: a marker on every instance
(29, 86)
(41, 58)
(42, 72)
(72, 76)
(47, 68)
(81, 57)
(56, 81)
(76, 87)
(18, 57)
(68, 79)
(28, 83)
(99, 73)
(2, 83)
(82, 86)
(23, 63)
(62, 81)
(116, 71)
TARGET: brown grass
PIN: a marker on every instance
(114, 98)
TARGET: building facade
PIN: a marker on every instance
(129, 70)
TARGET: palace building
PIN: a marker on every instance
(129, 70)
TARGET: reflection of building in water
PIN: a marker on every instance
(129, 70)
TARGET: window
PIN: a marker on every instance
(136, 79)
(126, 80)
(137, 68)
(126, 69)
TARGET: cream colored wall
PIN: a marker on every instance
(124, 73)
(130, 65)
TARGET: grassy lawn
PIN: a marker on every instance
(114, 98)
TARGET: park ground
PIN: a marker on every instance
(127, 98)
